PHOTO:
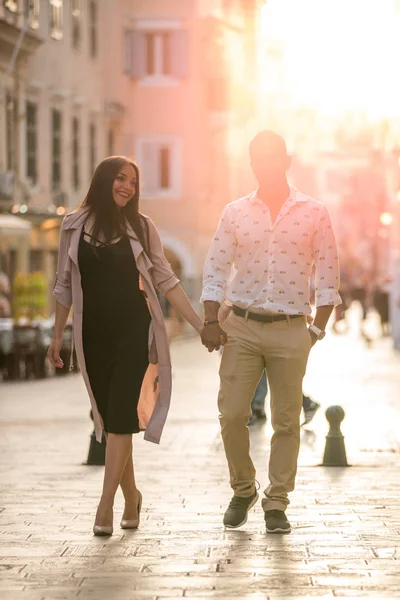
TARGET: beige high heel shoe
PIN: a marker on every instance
(102, 529)
(133, 523)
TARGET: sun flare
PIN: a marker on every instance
(336, 55)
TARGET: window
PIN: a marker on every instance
(56, 149)
(128, 52)
(111, 142)
(35, 261)
(56, 19)
(92, 149)
(31, 12)
(156, 55)
(165, 167)
(11, 5)
(31, 141)
(75, 153)
(11, 116)
(93, 25)
(160, 162)
(76, 23)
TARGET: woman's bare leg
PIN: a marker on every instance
(130, 491)
(118, 450)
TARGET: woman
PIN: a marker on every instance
(110, 267)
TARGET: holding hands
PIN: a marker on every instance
(213, 336)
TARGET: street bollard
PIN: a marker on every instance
(97, 450)
(335, 451)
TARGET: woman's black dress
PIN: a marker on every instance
(115, 331)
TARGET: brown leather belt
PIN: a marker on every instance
(241, 312)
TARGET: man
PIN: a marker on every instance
(269, 241)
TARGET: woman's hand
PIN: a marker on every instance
(53, 353)
(199, 327)
(313, 337)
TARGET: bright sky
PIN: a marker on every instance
(340, 54)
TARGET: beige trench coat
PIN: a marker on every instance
(155, 274)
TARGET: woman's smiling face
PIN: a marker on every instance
(124, 186)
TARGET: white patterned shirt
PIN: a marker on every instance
(266, 267)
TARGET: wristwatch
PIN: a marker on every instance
(320, 333)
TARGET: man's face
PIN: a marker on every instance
(269, 166)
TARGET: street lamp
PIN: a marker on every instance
(386, 218)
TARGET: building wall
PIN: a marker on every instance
(197, 119)
(68, 79)
(54, 75)
(201, 111)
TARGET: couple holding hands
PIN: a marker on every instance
(256, 297)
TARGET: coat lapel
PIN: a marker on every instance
(74, 223)
(143, 262)
(74, 244)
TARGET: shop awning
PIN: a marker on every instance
(11, 226)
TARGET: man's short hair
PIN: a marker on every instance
(267, 140)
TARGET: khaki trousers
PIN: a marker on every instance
(282, 348)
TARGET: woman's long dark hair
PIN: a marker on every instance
(109, 220)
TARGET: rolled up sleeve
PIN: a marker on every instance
(62, 288)
(218, 265)
(325, 252)
(161, 273)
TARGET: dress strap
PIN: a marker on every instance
(99, 242)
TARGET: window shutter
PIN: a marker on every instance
(138, 48)
(149, 167)
(128, 52)
(180, 54)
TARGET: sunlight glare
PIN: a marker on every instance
(338, 54)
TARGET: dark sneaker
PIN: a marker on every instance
(258, 416)
(276, 521)
(310, 408)
(237, 511)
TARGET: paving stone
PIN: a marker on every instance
(346, 522)
(104, 594)
(8, 569)
(363, 593)
(11, 584)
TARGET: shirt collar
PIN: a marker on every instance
(294, 196)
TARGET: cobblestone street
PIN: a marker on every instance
(346, 521)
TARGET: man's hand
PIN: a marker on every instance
(213, 337)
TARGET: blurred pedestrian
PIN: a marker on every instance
(340, 312)
(380, 299)
(358, 291)
(110, 264)
(260, 262)
(258, 414)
